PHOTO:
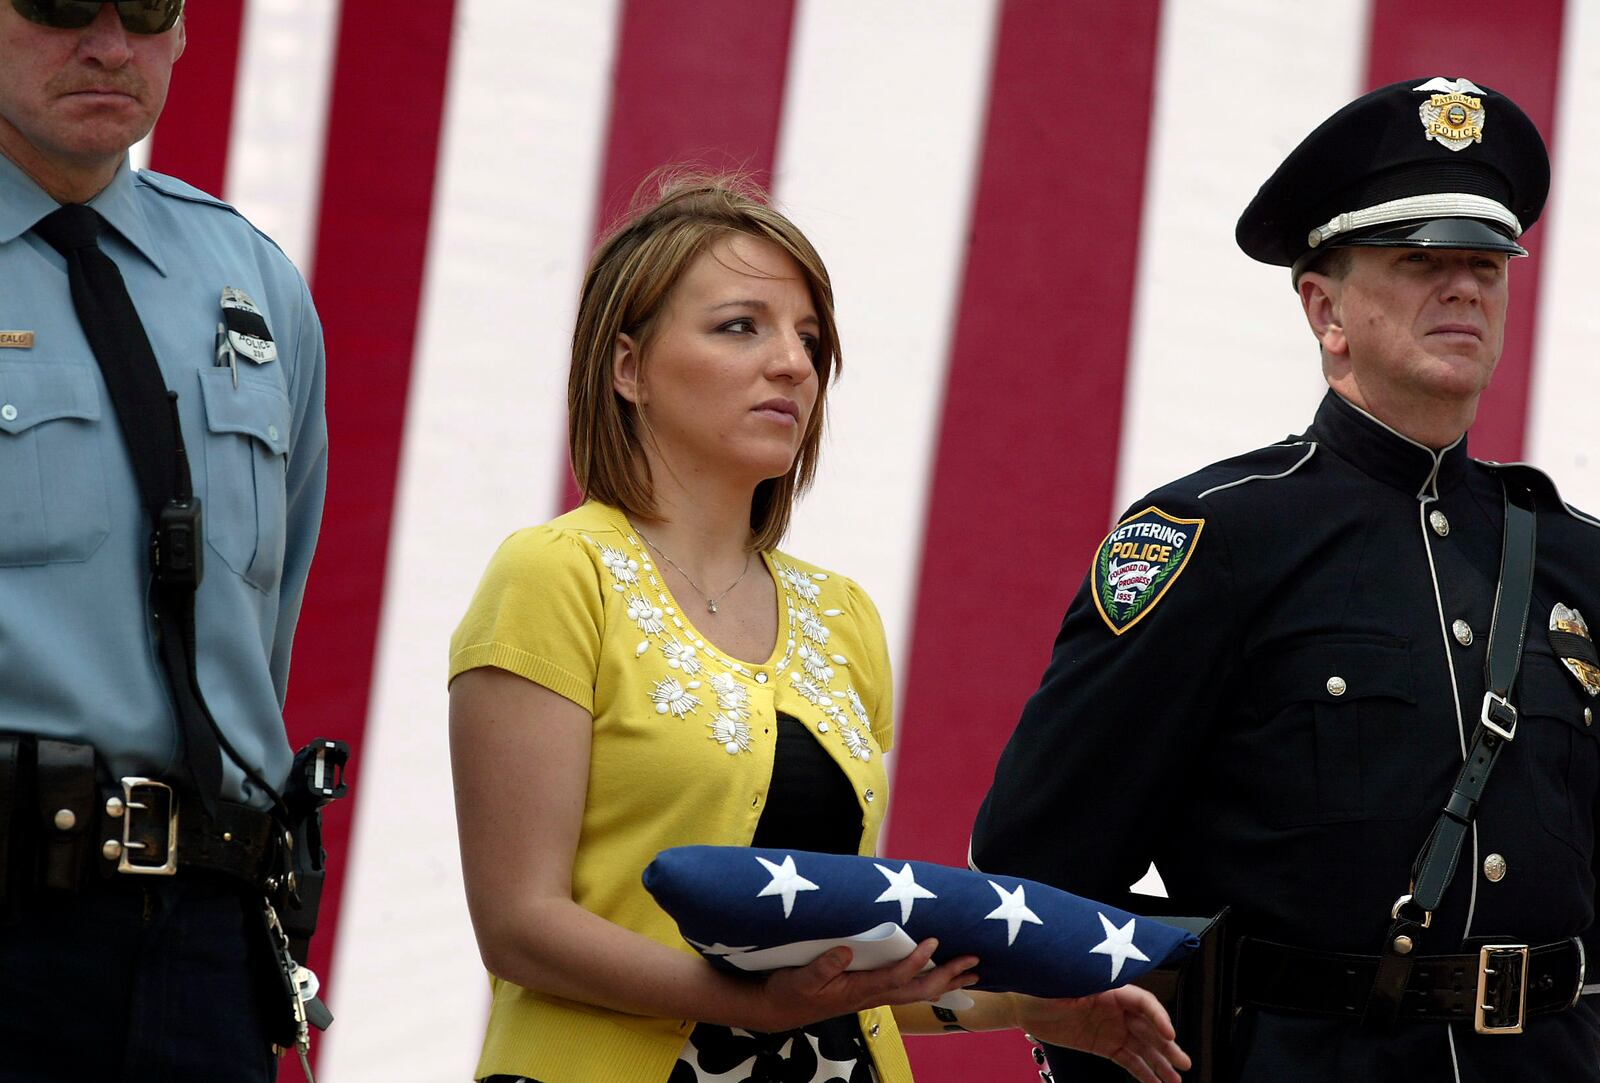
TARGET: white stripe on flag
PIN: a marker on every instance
(883, 118)
(1561, 411)
(280, 117)
(482, 455)
(1221, 358)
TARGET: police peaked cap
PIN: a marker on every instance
(1438, 162)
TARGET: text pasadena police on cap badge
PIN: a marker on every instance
(1454, 114)
(1138, 562)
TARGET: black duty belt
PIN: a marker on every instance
(63, 829)
(145, 832)
(1495, 988)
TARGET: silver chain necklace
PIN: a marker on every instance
(711, 602)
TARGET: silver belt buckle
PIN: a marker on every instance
(1502, 989)
(144, 797)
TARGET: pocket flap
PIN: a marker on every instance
(1337, 669)
(1545, 688)
(253, 408)
(31, 394)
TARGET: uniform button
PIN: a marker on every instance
(1441, 525)
(9, 412)
(761, 678)
(64, 819)
(869, 795)
(272, 432)
(822, 727)
(1494, 868)
(872, 1031)
(1463, 632)
(1336, 686)
(1588, 717)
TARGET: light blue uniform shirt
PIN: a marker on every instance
(78, 655)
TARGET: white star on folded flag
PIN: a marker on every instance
(785, 881)
(1013, 910)
(903, 889)
(1119, 945)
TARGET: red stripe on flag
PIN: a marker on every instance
(377, 193)
(1520, 57)
(192, 143)
(697, 84)
(1027, 454)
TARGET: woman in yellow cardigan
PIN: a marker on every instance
(650, 671)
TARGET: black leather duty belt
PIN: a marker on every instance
(63, 829)
(1495, 988)
(146, 833)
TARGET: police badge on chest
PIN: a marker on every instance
(1570, 639)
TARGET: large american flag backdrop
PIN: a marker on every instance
(1027, 207)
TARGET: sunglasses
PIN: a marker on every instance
(138, 16)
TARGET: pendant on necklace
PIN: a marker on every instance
(712, 606)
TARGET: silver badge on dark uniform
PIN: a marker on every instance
(1569, 637)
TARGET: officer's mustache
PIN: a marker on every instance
(114, 82)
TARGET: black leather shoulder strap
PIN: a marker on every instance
(1435, 865)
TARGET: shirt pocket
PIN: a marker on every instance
(1558, 748)
(247, 442)
(1338, 734)
(53, 506)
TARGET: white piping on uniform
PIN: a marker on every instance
(973, 865)
(1311, 450)
(1591, 989)
(1455, 691)
(1583, 968)
(1450, 1039)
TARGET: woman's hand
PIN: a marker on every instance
(795, 996)
(1127, 1025)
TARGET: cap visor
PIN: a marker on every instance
(1465, 233)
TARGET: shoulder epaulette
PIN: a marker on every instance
(177, 189)
(1541, 483)
(174, 188)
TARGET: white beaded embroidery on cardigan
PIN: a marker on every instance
(699, 679)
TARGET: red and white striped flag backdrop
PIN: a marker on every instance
(1028, 208)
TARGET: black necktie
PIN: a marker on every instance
(147, 415)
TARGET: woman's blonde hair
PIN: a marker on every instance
(677, 217)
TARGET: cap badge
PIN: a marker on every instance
(1453, 115)
(1569, 637)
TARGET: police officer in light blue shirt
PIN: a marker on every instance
(105, 972)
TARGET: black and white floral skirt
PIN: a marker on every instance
(831, 1051)
(827, 1052)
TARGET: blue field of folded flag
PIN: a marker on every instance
(755, 909)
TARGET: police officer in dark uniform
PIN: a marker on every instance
(1277, 667)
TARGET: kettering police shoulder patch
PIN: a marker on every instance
(1139, 560)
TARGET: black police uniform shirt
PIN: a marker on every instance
(1279, 728)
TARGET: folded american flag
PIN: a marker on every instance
(755, 909)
